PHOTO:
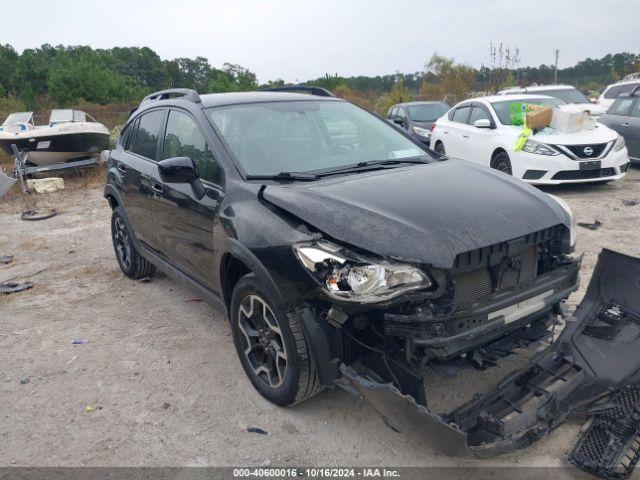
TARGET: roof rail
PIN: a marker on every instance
(317, 91)
(184, 93)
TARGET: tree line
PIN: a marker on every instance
(65, 75)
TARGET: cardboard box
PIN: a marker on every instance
(539, 117)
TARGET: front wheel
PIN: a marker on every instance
(439, 148)
(502, 163)
(271, 345)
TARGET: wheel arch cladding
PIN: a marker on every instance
(232, 270)
(496, 152)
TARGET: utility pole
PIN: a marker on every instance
(555, 76)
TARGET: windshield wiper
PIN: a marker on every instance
(370, 165)
(287, 176)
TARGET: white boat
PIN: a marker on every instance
(70, 135)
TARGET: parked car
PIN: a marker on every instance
(417, 118)
(331, 238)
(567, 93)
(480, 130)
(626, 85)
(623, 116)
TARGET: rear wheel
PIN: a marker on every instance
(439, 148)
(271, 345)
(502, 163)
(132, 264)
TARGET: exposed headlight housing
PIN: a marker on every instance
(531, 146)
(348, 277)
(423, 132)
(572, 229)
(620, 143)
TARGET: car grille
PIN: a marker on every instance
(584, 174)
(479, 283)
(579, 150)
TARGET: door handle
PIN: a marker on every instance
(121, 167)
(464, 135)
(446, 132)
(156, 187)
(625, 124)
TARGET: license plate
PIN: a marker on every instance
(593, 165)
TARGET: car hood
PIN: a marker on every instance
(599, 134)
(426, 214)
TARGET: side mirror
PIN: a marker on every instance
(181, 170)
(398, 120)
(482, 123)
(593, 100)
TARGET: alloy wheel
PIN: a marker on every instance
(122, 244)
(263, 345)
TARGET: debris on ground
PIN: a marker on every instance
(166, 405)
(630, 203)
(35, 215)
(80, 341)
(610, 447)
(591, 226)
(145, 280)
(12, 287)
(193, 300)
(6, 259)
(88, 409)
(24, 381)
(256, 430)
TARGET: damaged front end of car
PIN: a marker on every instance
(596, 354)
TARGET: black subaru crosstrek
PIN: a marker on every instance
(330, 238)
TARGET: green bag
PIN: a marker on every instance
(517, 112)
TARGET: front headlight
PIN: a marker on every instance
(572, 229)
(348, 277)
(423, 132)
(620, 143)
(531, 146)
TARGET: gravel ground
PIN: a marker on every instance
(160, 372)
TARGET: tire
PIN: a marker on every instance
(439, 148)
(132, 264)
(255, 313)
(502, 163)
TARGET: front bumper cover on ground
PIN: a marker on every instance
(596, 354)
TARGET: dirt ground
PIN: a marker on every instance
(160, 372)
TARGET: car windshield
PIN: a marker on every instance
(305, 136)
(567, 95)
(427, 112)
(503, 108)
(19, 117)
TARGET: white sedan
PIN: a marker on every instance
(480, 130)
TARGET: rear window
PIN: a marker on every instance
(617, 90)
(146, 140)
(567, 95)
(427, 112)
(502, 109)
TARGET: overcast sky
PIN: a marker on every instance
(303, 39)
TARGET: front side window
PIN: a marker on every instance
(635, 111)
(302, 136)
(620, 106)
(428, 112)
(503, 109)
(147, 134)
(461, 114)
(478, 114)
(183, 138)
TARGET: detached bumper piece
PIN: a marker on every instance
(596, 354)
(610, 447)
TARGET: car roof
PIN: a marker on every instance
(236, 98)
(505, 98)
(420, 102)
(540, 88)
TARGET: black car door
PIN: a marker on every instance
(185, 223)
(135, 160)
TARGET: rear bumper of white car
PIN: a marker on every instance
(561, 169)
